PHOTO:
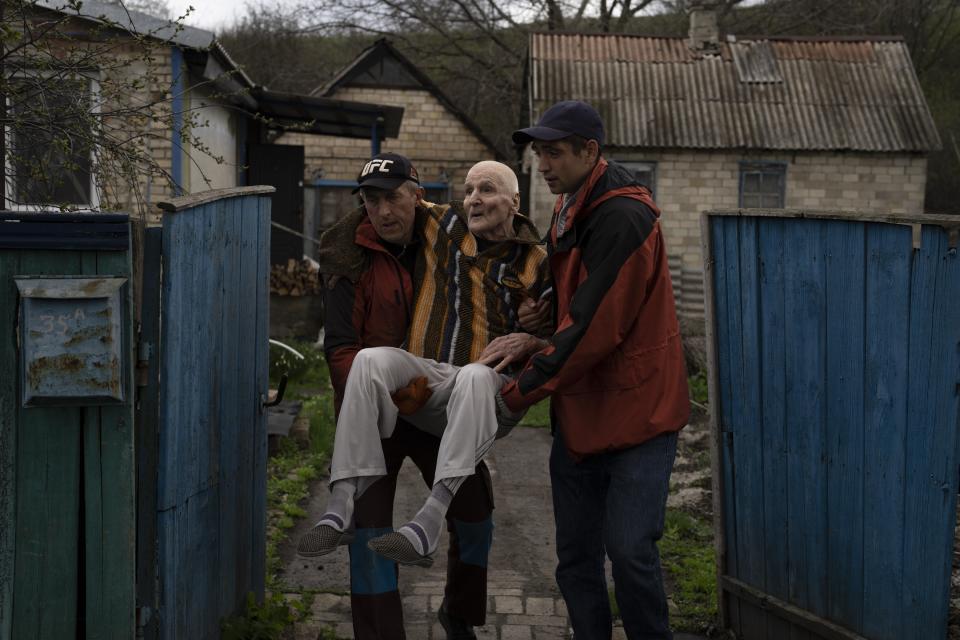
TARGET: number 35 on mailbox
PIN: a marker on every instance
(71, 340)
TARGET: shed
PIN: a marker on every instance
(837, 123)
(440, 139)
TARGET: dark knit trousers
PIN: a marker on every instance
(374, 597)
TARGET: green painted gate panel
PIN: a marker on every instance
(66, 473)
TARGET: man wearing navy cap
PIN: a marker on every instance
(614, 369)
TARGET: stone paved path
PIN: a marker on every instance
(524, 601)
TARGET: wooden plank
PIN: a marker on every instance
(210, 308)
(146, 431)
(189, 363)
(115, 540)
(247, 390)
(9, 266)
(188, 597)
(774, 419)
(948, 222)
(194, 388)
(804, 301)
(196, 597)
(48, 500)
(174, 367)
(176, 456)
(200, 573)
(845, 261)
(262, 354)
(798, 617)
(742, 292)
(172, 613)
(95, 557)
(931, 484)
(231, 473)
(194, 201)
(947, 325)
(723, 233)
(887, 313)
(713, 389)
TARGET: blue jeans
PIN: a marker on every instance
(613, 503)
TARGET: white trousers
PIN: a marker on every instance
(462, 411)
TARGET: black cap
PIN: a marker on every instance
(386, 171)
(567, 118)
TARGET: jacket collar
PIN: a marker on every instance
(606, 181)
(525, 232)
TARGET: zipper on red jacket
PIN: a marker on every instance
(401, 294)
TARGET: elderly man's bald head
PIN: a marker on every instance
(492, 197)
(499, 171)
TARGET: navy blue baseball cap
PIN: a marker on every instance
(564, 119)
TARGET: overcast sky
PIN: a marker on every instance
(212, 15)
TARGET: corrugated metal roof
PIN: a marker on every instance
(135, 22)
(798, 94)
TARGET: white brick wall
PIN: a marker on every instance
(689, 182)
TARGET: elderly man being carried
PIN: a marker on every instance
(478, 265)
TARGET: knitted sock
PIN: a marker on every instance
(423, 532)
(339, 513)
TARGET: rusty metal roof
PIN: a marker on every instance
(756, 93)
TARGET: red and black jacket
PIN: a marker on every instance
(615, 364)
(367, 303)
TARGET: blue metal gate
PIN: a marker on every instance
(204, 540)
(836, 365)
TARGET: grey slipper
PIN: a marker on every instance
(321, 540)
(396, 547)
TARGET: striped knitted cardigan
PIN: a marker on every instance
(465, 298)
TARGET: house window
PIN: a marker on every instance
(645, 173)
(762, 184)
(50, 142)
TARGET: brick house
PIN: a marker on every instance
(819, 123)
(439, 138)
(180, 78)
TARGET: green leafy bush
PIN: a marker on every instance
(687, 552)
(268, 621)
(698, 388)
(311, 371)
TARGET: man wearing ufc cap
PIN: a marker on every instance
(615, 371)
(367, 261)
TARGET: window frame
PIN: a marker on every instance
(633, 165)
(93, 80)
(763, 167)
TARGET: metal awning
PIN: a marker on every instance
(325, 116)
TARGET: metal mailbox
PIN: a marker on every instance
(71, 338)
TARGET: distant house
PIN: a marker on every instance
(439, 138)
(193, 84)
(822, 123)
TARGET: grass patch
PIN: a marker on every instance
(268, 621)
(304, 377)
(289, 474)
(687, 553)
(698, 388)
(538, 415)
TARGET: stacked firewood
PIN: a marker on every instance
(296, 278)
